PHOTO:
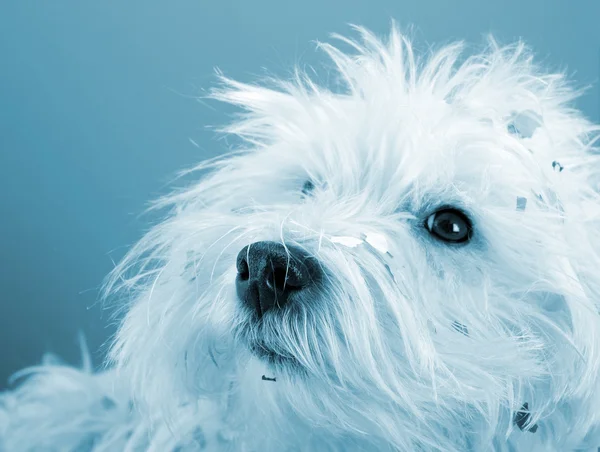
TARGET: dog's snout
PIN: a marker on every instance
(269, 274)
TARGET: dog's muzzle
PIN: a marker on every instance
(271, 275)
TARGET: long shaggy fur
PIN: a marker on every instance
(445, 353)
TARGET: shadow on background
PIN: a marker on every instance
(97, 114)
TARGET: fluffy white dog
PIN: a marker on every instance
(408, 261)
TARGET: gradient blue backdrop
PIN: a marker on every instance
(97, 113)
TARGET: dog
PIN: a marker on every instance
(406, 260)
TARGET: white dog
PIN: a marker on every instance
(409, 261)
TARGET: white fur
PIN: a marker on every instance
(383, 365)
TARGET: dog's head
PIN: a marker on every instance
(411, 256)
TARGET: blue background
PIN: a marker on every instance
(97, 111)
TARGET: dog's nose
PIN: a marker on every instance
(269, 273)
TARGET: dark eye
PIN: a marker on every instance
(449, 225)
(308, 187)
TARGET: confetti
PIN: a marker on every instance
(522, 419)
(350, 242)
(513, 130)
(460, 328)
(372, 240)
(377, 241)
(431, 326)
(557, 166)
(524, 124)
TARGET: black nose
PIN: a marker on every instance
(270, 273)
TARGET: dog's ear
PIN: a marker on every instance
(505, 85)
(538, 109)
(564, 145)
(560, 146)
(557, 133)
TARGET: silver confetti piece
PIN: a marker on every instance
(524, 124)
(556, 166)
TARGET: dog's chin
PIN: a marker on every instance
(275, 361)
(271, 357)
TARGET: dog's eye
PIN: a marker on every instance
(449, 225)
(308, 187)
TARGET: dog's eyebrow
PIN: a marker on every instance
(265, 378)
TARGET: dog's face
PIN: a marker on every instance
(404, 258)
